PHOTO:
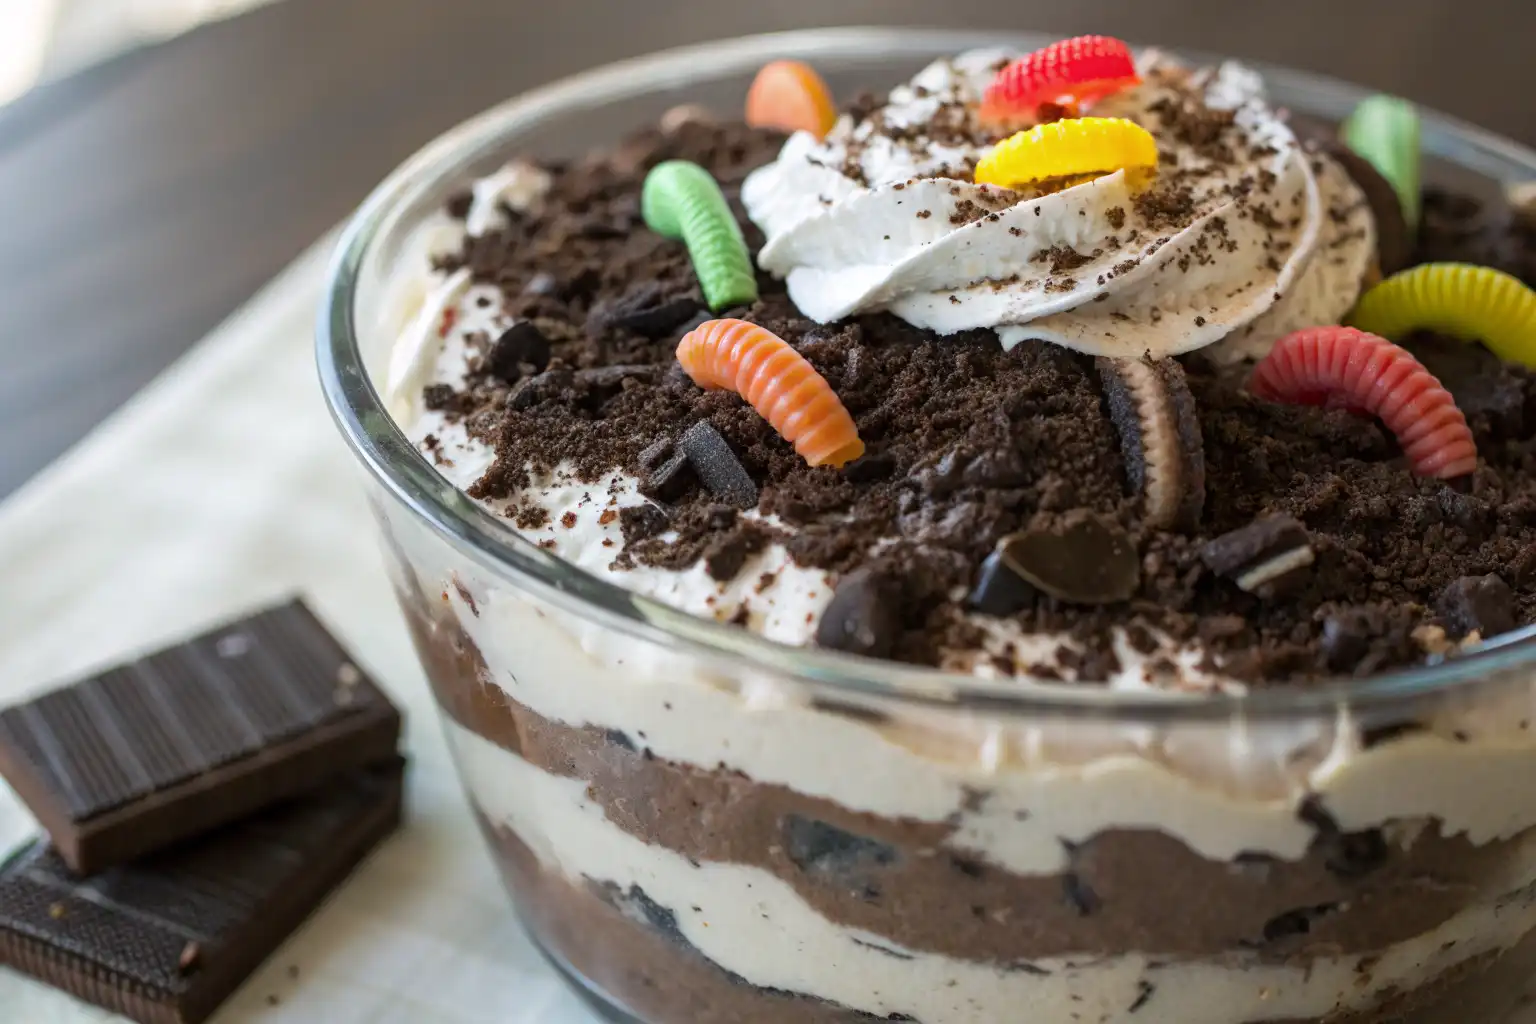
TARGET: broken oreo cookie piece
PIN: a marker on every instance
(1263, 557)
(648, 313)
(717, 466)
(999, 590)
(1154, 413)
(532, 391)
(1080, 559)
(669, 480)
(605, 381)
(864, 616)
(520, 345)
(1477, 604)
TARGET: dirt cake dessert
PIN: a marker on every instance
(1067, 371)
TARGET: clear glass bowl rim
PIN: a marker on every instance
(402, 472)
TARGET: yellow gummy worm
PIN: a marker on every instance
(1465, 301)
(1062, 149)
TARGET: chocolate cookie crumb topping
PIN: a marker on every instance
(970, 444)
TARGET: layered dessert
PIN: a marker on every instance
(1057, 390)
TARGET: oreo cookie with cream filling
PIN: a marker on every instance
(1154, 413)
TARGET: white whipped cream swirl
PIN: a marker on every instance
(1243, 236)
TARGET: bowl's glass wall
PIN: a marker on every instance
(706, 829)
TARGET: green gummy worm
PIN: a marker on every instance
(1385, 131)
(681, 200)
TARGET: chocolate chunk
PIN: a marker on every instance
(833, 854)
(647, 312)
(193, 736)
(670, 480)
(1080, 559)
(717, 466)
(532, 391)
(639, 522)
(999, 590)
(1263, 557)
(520, 345)
(1154, 414)
(655, 453)
(1481, 604)
(167, 939)
(864, 616)
(1394, 242)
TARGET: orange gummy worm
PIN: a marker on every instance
(778, 382)
(791, 96)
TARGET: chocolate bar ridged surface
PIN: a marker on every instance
(168, 939)
(192, 736)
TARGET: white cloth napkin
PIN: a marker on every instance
(221, 486)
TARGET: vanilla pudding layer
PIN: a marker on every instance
(787, 892)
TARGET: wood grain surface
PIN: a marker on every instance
(141, 202)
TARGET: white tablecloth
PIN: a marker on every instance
(221, 486)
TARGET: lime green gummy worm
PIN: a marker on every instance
(1385, 131)
(681, 200)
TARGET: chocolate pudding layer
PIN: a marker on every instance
(1068, 482)
(1363, 906)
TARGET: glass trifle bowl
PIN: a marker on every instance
(700, 825)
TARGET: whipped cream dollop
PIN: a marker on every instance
(1241, 234)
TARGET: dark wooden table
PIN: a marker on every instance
(144, 200)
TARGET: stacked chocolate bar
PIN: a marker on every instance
(200, 803)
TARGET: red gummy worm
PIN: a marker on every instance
(1346, 368)
(1085, 69)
